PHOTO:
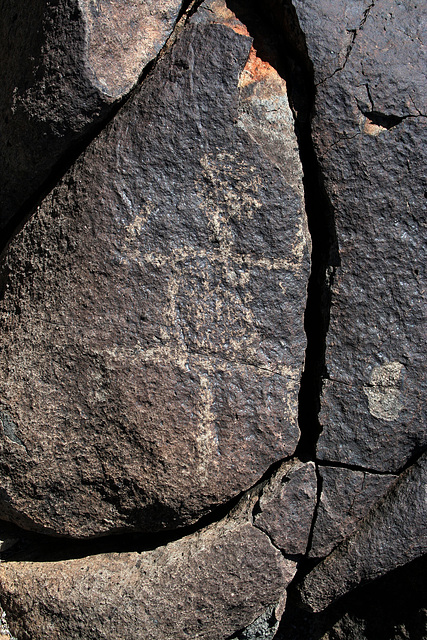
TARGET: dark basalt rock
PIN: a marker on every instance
(392, 534)
(64, 65)
(152, 307)
(370, 138)
(206, 585)
(346, 497)
(286, 507)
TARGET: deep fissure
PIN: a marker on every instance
(287, 52)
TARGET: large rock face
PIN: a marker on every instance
(370, 136)
(152, 320)
(153, 306)
(64, 65)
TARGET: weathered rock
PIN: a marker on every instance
(64, 64)
(346, 497)
(370, 138)
(286, 506)
(393, 534)
(393, 607)
(263, 628)
(152, 307)
(207, 585)
(4, 627)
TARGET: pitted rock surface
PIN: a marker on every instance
(370, 136)
(64, 64)
(153, 305)
(208, 585)
(346, 497)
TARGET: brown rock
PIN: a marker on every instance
(370, 137)
(393, 534)
(152, 307)
(286, 506)
(64, 64)
(207, 585)
(346, 497)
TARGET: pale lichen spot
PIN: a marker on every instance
(383, 393)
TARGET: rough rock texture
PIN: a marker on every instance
(152, 307)
(286, 507)
(64, 64)
(393, 534)
(4, 627)
(346, 497)
(370, 137)
(263, 628)
(207, 585)
(393, 607)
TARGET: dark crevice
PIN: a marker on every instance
(387, 121)
(280, 41)
(354, 34)
(69, 157)
(383, 120)
(353, 467)
(416, 455)
(42, 547)
(316, 510)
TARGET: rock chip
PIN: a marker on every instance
(345, 498)
(286, 506)
(64, 64)
(207, 585)
(393, 534)
(152, 307)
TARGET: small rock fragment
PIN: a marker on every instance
(346, 497)
(263, 628)
(286, 506)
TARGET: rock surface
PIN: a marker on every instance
(207, 585)
(346, 497)
(393, 534)
(64, 64)
(152, 307)
(263, 628)
(286, 507)
(369, 131)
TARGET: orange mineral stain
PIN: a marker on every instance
(255, 70)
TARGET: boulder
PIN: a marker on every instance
(65, 64)
(152, 307)
(370, 138)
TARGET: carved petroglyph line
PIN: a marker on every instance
(207, 438)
